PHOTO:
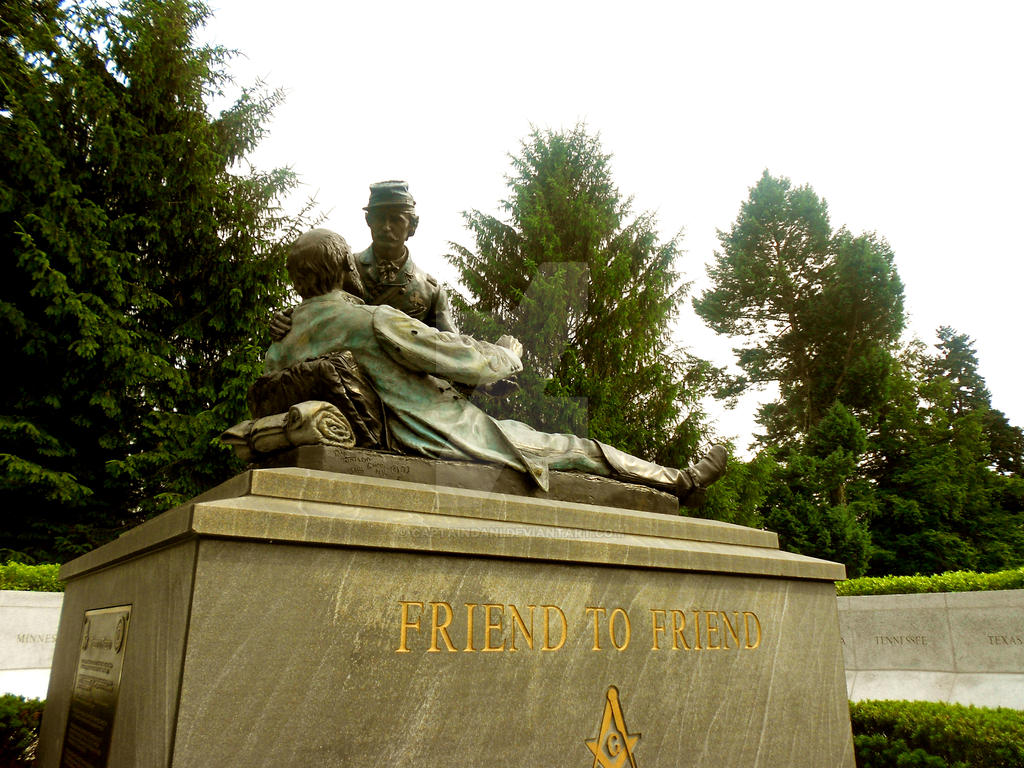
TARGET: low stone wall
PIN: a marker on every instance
(964, 647)
(28, 636)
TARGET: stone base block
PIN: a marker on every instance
(297, 617)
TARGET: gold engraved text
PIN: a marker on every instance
(708, 631)
(490, 626)
(403, 646)
(517, 621)
(440, 629)
(547, 628)
(436, 626)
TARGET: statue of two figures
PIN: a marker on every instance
(372, 358)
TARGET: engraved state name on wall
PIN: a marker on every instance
(27, 638)
(918, 641)
(437, 626)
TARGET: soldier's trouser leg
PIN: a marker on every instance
(580, 454)
(638, 470)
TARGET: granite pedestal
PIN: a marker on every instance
(300, 617)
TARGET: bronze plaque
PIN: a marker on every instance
(94, 697)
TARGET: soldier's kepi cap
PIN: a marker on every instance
(391, 194)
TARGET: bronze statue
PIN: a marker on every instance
(389, 276)
(411, 366)
(384, 273)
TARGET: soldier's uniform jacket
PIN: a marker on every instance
(411, 290)
(411, 365)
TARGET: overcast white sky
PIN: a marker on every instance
(905, 116)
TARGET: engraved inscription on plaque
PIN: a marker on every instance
(94, 698)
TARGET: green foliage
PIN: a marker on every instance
(814, 500)
(19, 730)
(30, 578)
(878, 751)
(923, 734)
(141, 260)
(945, 469)
(739, 497)
(590, 292)
(797, 508)
(820, 311)
(952, 581)
(891, 460)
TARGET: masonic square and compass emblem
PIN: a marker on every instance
(613, 747)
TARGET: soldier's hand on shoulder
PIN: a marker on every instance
(511, 344)
(280, 324)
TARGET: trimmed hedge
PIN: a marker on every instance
(952, 581)
(30, 578)
(925, 734)
(19, 730)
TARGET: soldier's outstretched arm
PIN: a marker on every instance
(448, 355)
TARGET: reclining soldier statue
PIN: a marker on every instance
(350, 347)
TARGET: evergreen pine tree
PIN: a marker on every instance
(820, 312)
(591, 292)
(950, 494)
(142, 260)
